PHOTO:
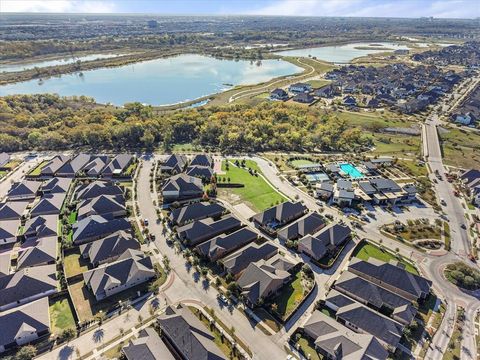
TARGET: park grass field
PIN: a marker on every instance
(460, 148)
(257, 193)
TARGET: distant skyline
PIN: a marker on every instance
(348, 8)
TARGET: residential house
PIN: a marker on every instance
(24, 190)
(362, 319)
(24, 324)
(279, 94)
(275, 217)
(203, 172)
(9, 231)
(109, 248)
(50, 204)
(392, 277)
(13, 210)
(343, 193)
(5, 263)
(328, 91)
(303, 98)
(238, 261)
(198, 231)
(222, 245)
(4, 160)
(27, 285)
(95, 166)
(335, 341)
(464, 119)
(107, 206)
(182, 187)
(97, 188)
(118, 165)
(324, 191)
(187, 335)
(195, 211)
(263, 279)
(147, 346)
(300, 88)
(131, 269)
(376, 297)
(96, 227)
(73, 167)
(56, 185)
(174, 164)
(309, 224)
(471, 180)
(41, 226)
(54, 164)
(41, 252)
(202, 160)
(349, 101)
(325, 242)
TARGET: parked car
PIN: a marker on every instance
(223, 299)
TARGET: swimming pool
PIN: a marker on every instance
(351, 170)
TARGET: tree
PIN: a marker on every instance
(26, 353)
(68, 334)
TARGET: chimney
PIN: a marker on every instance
(330, 231)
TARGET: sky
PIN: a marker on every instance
(349, 8)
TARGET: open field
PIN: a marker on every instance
(257, 193)
(460, 148)
(367, 250)
(61, 316)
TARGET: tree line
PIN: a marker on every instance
(50, 122)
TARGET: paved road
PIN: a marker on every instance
(453, 208)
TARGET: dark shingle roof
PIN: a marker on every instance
(97, 188)
(26, 283)
(282, 212)
(56, 185)
(196, 211)
(204, 172)
(306, 225)
(148, 346)
(205, 229)
(97, 226)
(120, 272)
(224, 244)
(30, 318)
(391, 275)
(202, 160)
(12, 210)
(239, 260)
(190, 336)
(110, 246)
(49, 204)
(44, 251)
(24, 188)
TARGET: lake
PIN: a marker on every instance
(62, 61)
(343, 54)
(158, 82)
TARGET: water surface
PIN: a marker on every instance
(343, 54)
(158, 82)
(62, 61)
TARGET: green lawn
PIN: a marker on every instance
(72, 218)
(290, 296)
(366, 250)
(257, 193)
(2, 173)
(301, 162)
(317, 83)
(74, 265)
(267, 319)
(36, 171)
(412, 168)
(61, 315)
(185, 147)
(308, 348)
(398, 145)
